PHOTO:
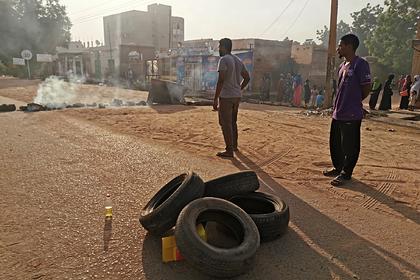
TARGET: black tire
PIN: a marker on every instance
(231, 185)
(7, 108)
(269, 213)
(209, 259)
(161, 212)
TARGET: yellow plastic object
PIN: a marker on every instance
(170, 252)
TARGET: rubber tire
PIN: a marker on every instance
(161, 212)
(7, 108)
(269, 213)
(232, 184)
(211, 260)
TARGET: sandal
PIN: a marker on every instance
(225, 154)
(340, 180)
(331, 172)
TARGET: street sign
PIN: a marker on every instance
(44, 57)
(18, 61)
(26, 54)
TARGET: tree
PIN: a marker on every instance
(390, 40)
(364, 23)
(36, 25)
(323, 35)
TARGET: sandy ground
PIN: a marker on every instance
(56, 168)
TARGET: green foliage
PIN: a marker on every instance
(37, 25)
(390, 41)
(323, 35)
(364, 23)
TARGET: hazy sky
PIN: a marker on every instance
(299, 19)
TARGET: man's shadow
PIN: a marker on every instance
(406, 211)
(331, 236)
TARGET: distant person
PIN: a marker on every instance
(387, 93)
(307, 93)
(414, 93)
(130, 77)
(314, 93)
(297, 91)
(374, 94)
(400, 82)
(354, 85)
(405, 93)
(266, 87)
(319, 100)
(233, 78)
(288, 89)
(280, 88)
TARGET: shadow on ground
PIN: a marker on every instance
(369, 191)
(315, 247)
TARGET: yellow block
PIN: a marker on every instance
(170, 252)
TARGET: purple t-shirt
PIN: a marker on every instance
(348, 102)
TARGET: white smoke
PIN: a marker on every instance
(56, 93)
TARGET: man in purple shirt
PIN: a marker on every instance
(354, 85)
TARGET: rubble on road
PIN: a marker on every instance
(318, 112)
(34, 107)
(7, 108)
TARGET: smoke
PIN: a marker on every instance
(54, 93)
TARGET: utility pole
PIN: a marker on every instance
(331, 55)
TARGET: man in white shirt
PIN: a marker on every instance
(233, 78)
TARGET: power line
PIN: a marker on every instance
(278, 17)
(91, 17)
(89, 8)
(296, 19)
(102, 11)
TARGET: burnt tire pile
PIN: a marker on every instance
(232, 203)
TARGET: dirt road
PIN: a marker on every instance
(56, 168)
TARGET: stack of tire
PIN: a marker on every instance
(230, 201)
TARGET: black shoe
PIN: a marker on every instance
(340, 180)
(225, 154)
(331, 172)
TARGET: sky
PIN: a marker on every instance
(296, 19)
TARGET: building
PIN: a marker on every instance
(135, 37)
(311, 61)
(74, 59)
(194, 64)
(155, 28)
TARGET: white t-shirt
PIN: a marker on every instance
(233, 67)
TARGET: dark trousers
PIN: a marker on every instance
(345, 145)
(228, 115)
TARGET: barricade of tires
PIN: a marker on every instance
(230, 201)
(7, 107)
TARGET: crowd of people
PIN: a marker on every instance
(407, 89)
(291, 90)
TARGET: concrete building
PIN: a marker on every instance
(195, 63)
(73, 59)
(311, 61)
(152, 28)
(141, 34)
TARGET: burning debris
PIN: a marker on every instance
(34, 107)
(7, 108)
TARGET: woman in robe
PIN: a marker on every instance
(386, 95)
(405, 93)
(297, 87)
(374, 95)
